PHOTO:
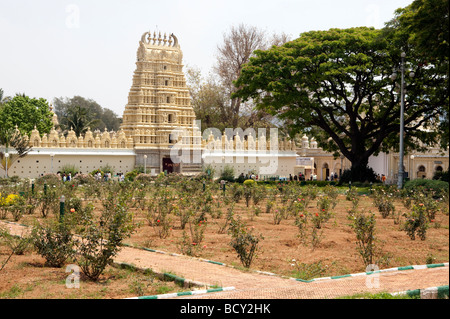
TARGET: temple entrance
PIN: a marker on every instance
(169, 166)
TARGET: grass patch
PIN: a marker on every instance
(380, 295)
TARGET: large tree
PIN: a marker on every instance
(78, 111)
(234, 52)
(25, 113)
(425, 24)
(18, 117)
(338, 83)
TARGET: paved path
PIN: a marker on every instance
(252, 285)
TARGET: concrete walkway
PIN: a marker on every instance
(253, 285)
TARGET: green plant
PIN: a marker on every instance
(248, 193)
(309, 271)
(259, 193)
(416, 222)
(187, 246)
(17, 244)
(101, 240)
(301, 221)
(437, 187)
(279, 213)
(364, 227)
(69, 168)
(54, 242)
(244, 242)
(384, 202)
(49, 201)
(352, 194)
(197, 229)
(227, 174)
(18, 207)
(229, 218)
(237, 191)
(269, 206)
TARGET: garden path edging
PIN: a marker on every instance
(402, 268)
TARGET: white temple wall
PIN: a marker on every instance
(40, 161)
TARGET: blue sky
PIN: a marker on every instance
(54, 48)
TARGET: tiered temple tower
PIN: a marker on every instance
(159, 114)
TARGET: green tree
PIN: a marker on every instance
(26, 113)
(79, 120)
(17, 141)
(425, 24)
(18, 117)
(79, 110)
(3, 97)
(337, 83)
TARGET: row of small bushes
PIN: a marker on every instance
(437, 186)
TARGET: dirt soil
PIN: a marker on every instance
(337, 248)
(26, 276)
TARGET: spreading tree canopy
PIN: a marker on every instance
(337, 84)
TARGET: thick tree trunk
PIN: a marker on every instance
(360, 171)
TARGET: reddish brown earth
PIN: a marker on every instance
(27, 277)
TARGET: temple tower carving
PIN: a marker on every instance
(159, 114)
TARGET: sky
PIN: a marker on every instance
(56, 48)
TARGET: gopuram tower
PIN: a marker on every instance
(159, 117)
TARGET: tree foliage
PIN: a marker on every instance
(26, 113)
(425, 24)
(18, 117)
(80, 113)
(337, 83)
(212, 97)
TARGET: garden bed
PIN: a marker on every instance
(281, 251)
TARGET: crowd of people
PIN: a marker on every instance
(99, 176)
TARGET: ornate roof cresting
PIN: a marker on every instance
(159, 40)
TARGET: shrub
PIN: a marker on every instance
(364, 227)
(130, 176)
(144, 178)
(442, 176)
(84, 178)
(384, 202)
(227, 174)
(54, 242)
(187, 246)
(244, 242)
(309, 271)
(416, 222)
(358, 174)
(49, 201)
(101, 239)
(237, 192)
(17, 244)
(249, 182)
(69, 168)
(437, 187)
(18, 208)
(49, 179)
(301, 221)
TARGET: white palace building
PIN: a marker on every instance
(160, 132)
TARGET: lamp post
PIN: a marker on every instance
(51, 156)
(402, 118)
(145, 164)
(412, 167)
(6, 164)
